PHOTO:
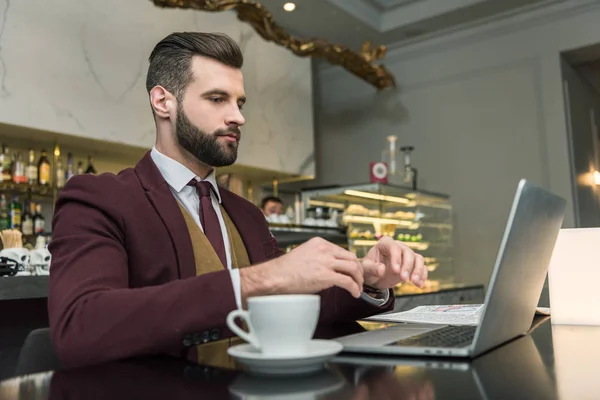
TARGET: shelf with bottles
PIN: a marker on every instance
(24, 216)
(41, 177)
(421, 220)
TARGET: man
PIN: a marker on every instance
(152, 260)
(271, 205)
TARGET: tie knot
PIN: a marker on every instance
(203, 187)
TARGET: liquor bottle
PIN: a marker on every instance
(14, 211)
(6, 165)
(39, 223)
(19, 170)
(60, 174)
(31, 171)
(44, 169)
(79, 168)
(4, 220)
(27, 218)
(90, 167)
(70, 172)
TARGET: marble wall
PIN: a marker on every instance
(79, 67)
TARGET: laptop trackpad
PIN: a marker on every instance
(380, 337)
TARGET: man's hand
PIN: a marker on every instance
(390, 262)
(309, 268)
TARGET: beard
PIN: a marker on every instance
(206, 147)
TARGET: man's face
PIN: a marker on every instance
(209, 115)
(273, 207)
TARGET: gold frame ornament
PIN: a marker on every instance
(360, 64)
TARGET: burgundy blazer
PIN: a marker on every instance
(123, 279)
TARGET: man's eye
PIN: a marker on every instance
(216, 99)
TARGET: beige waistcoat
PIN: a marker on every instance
(207, 260)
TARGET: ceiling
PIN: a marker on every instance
(389, 22)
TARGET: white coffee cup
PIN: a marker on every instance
(279, 324)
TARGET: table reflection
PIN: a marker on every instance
(521, 369)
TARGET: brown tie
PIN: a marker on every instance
(209, 219)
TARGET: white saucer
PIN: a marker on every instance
(319, 351)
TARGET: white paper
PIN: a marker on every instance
(458, 314)
(454, 314)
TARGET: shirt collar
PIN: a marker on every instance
(178, 175)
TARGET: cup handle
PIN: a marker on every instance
(247, 336)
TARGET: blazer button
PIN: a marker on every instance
(215, 335)
(197, 338)
(187, 340)
(205, 337)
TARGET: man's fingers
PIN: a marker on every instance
(408, 262)
(352, 269)
(372, 268)
(346, 282)
(419, 275)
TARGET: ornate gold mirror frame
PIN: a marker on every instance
(360, 64)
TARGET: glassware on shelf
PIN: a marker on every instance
(70, 172)
(14, 213)
(31, 170)
(390, 154)
(6, 164)
(44, 169)
(60, 174)
(19, 175)
(90, 168)
(410, 173)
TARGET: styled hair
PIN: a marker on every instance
(171, 58)
(268, 199)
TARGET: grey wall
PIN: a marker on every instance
(483, 108)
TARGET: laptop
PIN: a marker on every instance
(513, 292)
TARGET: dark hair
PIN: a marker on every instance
(171, 58)
(268, 199)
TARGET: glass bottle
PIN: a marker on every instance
(6, 165)
(389, 155)
(90, 167)
(4, 218)
(70, 172)
(19, 170)
(39, 222)
(79, 168)
(60, 174)
(44, 170)
(410, 173)
(27, 218)
(14, 211)
(31, 170)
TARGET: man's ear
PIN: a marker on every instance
(162, 102)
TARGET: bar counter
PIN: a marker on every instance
(550, 362)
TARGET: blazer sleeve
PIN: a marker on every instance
(337, 305)
(94, 315)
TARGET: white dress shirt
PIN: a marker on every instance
(178, 176)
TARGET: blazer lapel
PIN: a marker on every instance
(165, 204)
(243, 221)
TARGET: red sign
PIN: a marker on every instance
(379, 172)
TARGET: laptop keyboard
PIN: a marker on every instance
(449, 336)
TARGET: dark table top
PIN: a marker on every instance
(551, 362)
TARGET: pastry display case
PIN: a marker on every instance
(422, 220)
